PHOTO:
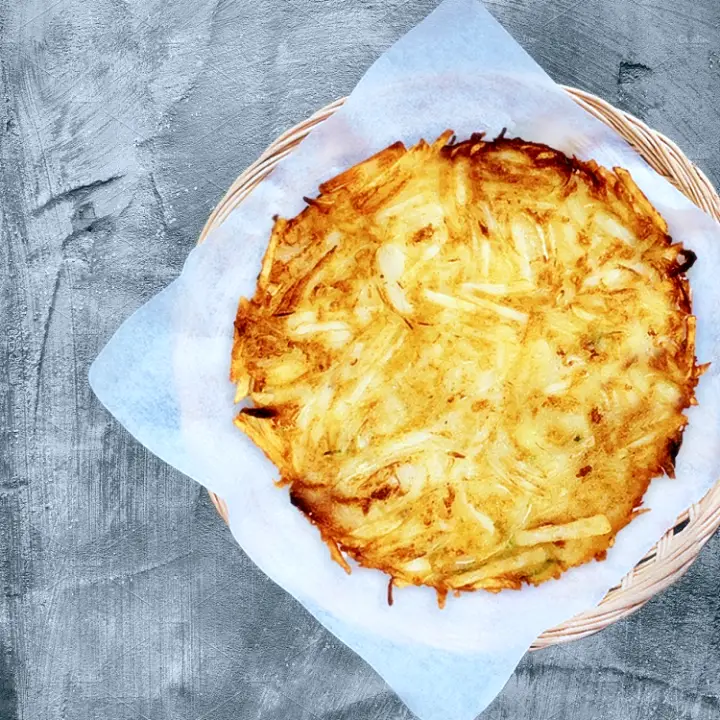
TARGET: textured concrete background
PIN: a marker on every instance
(121, 124)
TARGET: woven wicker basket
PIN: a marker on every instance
(678, 548)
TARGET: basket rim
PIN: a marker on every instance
(679, 547)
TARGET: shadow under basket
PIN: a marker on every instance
(670, 558)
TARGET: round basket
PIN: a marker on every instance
(678, 548)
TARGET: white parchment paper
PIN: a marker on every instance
(164, 375)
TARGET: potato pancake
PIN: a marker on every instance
(468, 360)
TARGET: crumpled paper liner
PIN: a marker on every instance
(164, 374)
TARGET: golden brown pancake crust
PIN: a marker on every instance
(468, 360)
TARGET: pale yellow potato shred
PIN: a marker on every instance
(468, 360)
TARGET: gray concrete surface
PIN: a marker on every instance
(121, 124)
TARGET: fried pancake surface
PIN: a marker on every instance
(469, 360)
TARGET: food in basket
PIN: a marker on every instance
(468, 360)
